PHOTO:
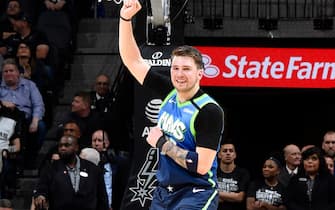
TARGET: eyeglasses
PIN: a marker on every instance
(329, 142)
(102, 83)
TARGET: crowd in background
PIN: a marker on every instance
(296, 179)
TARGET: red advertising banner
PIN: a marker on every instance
(268, 67)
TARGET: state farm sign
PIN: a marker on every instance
(268, 67)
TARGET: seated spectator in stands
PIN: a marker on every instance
(81, 113)
(233, 180)
(90, 154)
(42, 75)
(23, 94)
(292, 156)
(71, 183)
(12, 10)
(313, 187)
(35, 39)
(115, 168)
(10, 146)
(102, 98)
(268, 193)
(71, 128)
(55, 22)
(25, 60)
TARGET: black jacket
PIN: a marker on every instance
(56, 186)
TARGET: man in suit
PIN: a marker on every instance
(292, 155)
(71, 183)
(102, 98)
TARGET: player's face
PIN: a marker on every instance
(185, 75)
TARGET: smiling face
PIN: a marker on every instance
(185, 75)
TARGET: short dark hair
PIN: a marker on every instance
(85, 95)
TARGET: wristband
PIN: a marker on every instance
(192, 161)
(124, 19)
(161, 141)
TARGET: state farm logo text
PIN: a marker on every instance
(294, 67)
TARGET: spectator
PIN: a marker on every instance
(102, 98)
(54, 22)
(35, 39)
(269, 193)
(292, 156)
(314, 187)
(91, 155)
(330, 163)
(6, 204)
(12, 10)
(71, 183)
(23, 94)
(42, 75)
(115, 168)
(71, 128)
(328, 144)
(10, 146)
(232, 180)
(81, 113)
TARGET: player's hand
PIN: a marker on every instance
(130, 8)
(153, 136)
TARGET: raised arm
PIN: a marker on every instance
(129, 51)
